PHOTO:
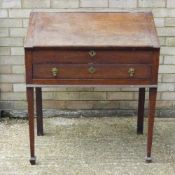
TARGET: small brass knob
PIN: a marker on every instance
(92, 53)
(91, 69)
(131, 72)
(54, 71)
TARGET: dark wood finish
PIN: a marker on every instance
(111, 43)
(92, 82)
(46, 45)
(30, 99)
(102, 71)
(39, 112)
(156, 66)
(140, 119)
(74, 56)
(151, 115)
(28, 65)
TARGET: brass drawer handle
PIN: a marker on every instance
(92, 53)
(54, 71)
(131, 72)
(91, 69)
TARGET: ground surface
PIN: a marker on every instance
(87, 146)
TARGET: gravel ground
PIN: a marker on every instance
(87, 146)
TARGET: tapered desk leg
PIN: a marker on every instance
(151, 115)
(140, 118)
(39, 112)
(30, 99)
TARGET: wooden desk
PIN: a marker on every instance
(91, 49)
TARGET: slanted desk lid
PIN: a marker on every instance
(91, 29)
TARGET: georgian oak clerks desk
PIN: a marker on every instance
(91, 49)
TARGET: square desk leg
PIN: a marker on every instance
(30, 99)
(39, 112)
(141, 103)
(151, 115)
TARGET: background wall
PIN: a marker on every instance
(13, 25)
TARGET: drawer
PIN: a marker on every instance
(92, 71)
(50, 56)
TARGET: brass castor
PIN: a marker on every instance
(148, 159)
(33, 160)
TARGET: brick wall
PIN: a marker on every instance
(14, 21)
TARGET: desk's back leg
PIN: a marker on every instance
(140, 117)
(30, 99)
(151, 115)
(39, 112)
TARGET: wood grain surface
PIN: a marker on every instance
(129, 29)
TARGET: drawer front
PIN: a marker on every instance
(92, 71)
(52, 56)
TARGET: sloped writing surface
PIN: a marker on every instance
(75, 29)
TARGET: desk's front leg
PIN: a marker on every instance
(39, 112)
(151, 115)
(30, 99)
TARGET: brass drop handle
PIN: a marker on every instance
(54, 71)
(131, 72)
(91, 69)
(92, 53)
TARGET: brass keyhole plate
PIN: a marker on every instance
(92, 53)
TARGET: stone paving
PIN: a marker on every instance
(87, 146)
